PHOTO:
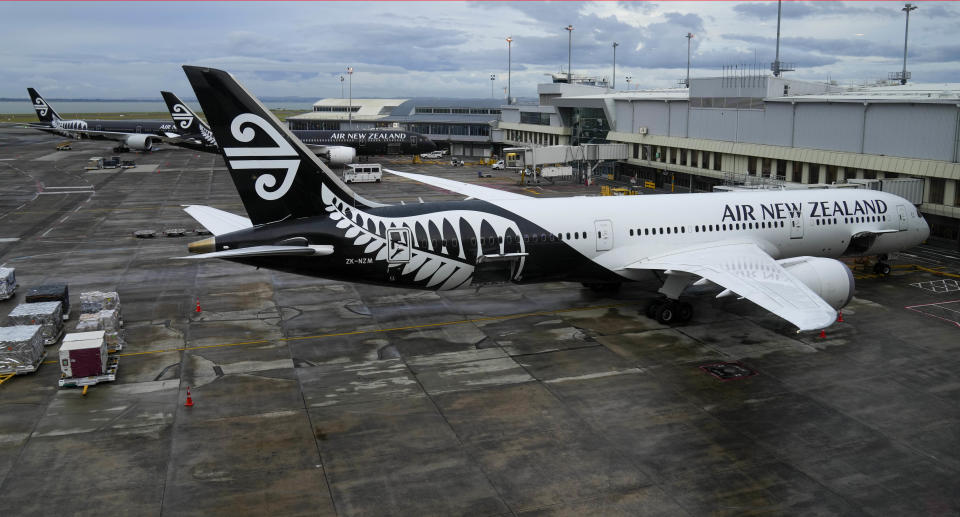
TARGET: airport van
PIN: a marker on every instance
(363, 173)
(432, 155)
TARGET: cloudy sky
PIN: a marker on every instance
(400, 49)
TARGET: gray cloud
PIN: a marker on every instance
(796, 10)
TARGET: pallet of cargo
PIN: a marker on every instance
(109, 376)
(24, 368)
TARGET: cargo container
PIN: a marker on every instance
(107, 321)
(21, 349)
(95, 301)
(51, 293)
(46, 314)
(83, 354)
(8, 282)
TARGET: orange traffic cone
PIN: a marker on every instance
(198, 306)
(189, 402)
(839, 316)
(823, 334)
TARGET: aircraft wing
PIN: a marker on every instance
(474, 191)
(748, 271)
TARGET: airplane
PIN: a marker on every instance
(777, 249)
(132, 134)
(337, 147)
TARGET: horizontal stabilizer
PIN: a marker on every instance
(267, 251)
(217, 221)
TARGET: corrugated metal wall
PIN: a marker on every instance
(892, 129)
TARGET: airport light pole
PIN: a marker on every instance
(628, 81)
(493, 77)
(341, 86)
(906, 8)
(615, 45)
(689, 37)
(569, 29)
(509, 65)
(350, 106)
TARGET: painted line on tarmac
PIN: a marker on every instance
(372, 331)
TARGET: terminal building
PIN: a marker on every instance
(734, 129)
(461, 125)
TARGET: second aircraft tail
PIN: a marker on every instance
(45, 112)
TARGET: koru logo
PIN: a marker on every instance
(40, 106)
(182, 116)
(242, 129)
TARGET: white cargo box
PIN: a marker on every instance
(21, 349)
(83, 354)
(8, 282)
(46, 314)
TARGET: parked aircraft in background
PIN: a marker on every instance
(141, 135)
(774, 248)
(337, 147)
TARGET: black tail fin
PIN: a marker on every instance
(45, 112)
(257, 147)
(183, 117)
(187, 122)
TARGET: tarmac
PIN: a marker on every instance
(318, 397)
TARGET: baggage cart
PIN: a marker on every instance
(109, 375)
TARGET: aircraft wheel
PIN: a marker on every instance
(684, 311)
(667, 313)
(652, 308)
(882, 268)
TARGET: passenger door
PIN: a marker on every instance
(902, 213)
(796, 225)
(604, 230)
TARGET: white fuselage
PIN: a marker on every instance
(622, 229)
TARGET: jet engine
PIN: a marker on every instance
(340, 155)
(831, 279)
(139, 142)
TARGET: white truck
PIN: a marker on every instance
(362, 173)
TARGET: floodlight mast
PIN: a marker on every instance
(509, 65)
(350, 107)
(906, 30)
(615, 45)
(569, 29)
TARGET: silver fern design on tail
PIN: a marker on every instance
(182, 116)
(431, 260)
(207, 135)
(242, 129)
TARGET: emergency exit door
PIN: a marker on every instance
(604, 232)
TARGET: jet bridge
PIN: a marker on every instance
(590, 155)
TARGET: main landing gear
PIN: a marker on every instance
(881, 267)
(669, 311)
